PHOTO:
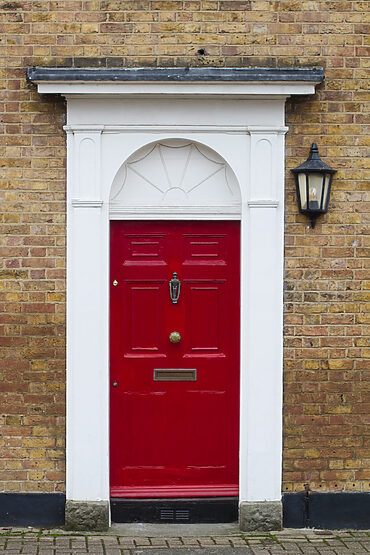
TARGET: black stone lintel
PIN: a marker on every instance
(239, 74)
(333, 511)
(32, 509)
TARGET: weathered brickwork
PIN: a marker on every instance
(327, 269)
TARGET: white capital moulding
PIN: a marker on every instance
(232, 130)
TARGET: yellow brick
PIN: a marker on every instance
(312, 453)
(35, 475)
(336, 465)
(87, 28)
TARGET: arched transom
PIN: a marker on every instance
(175, 176)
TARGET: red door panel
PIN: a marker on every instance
(174, 438)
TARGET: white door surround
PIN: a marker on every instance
(233, 124)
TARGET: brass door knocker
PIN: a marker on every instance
(175, 285)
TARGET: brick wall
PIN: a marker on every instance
(326, 392)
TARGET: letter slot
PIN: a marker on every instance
(175, 374)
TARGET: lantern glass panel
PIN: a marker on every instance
(315, 190)
(302, 184)
(328, 177)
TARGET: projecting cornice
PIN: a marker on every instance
(235, 82)
(176, 74)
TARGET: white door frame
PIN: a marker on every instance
(244, 124)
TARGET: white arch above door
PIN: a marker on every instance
(175, 178)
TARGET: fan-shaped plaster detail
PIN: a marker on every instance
(175, 173)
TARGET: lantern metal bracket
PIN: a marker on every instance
(313, 220)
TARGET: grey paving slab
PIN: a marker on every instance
(127, 542)
(159, 542)
(174, 530)
(222, 541)
(197, 551)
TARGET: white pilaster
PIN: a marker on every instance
(87, 322)
(262, 309)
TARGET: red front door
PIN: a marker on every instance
(174, 422)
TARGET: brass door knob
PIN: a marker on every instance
(115, 383)
(175, 337)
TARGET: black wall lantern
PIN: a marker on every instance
(313, 181)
